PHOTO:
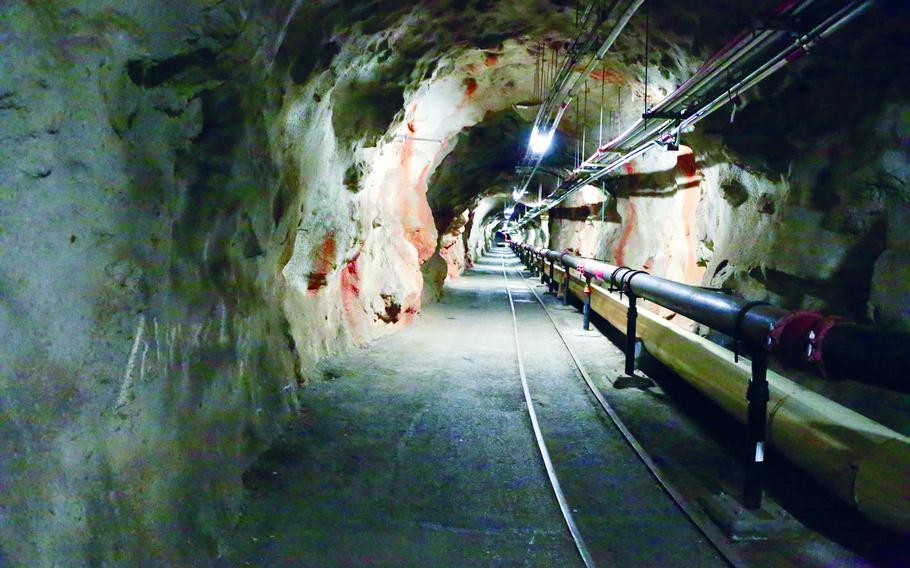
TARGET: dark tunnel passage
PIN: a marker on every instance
(467, 283)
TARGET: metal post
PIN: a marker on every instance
(587, 309)
(631, 318)
(757, 395)
(552, 284)
(543, 272)
(565, 286)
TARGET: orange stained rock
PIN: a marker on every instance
(688, 178)
(470, 86)
(628, 226)
(609, 76)
(323, 262)
(350, 283)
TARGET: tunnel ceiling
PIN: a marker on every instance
(482, 162)
(200, 200)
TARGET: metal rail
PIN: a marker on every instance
(754, 55)
(861, 461)
(565, 84)
(541, 444)
(694, 514)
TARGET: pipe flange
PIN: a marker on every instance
(789, 336)
(816, 341)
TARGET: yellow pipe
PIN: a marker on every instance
(864, 463)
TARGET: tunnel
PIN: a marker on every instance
(454, 283)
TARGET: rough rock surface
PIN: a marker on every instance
(805, 210)
(200, 199)
(145, 357)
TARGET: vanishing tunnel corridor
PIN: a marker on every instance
(454, 283)
(433, 461)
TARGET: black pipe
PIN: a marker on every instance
(859, 352)
(712, 308)
(882, 358)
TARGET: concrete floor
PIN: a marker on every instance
(418, 451)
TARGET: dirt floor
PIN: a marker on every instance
(418, 451)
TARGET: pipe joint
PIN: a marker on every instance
(613, 286)
(625, 281)
(765, 342)
(799, 337)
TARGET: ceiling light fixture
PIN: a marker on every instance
(540, 142)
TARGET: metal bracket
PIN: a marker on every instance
(738, 322)
(613, 286)
(664, 114)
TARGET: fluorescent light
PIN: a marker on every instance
(540, 142)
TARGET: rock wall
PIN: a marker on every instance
(198, 201)
(821, 236)
(357, 255)
(800, 201)
(144, 359)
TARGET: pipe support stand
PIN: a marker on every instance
(631, 324)
(757, 396)
(586, 320)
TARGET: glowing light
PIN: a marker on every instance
(540, 142)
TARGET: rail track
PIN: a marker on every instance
(694, 514)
